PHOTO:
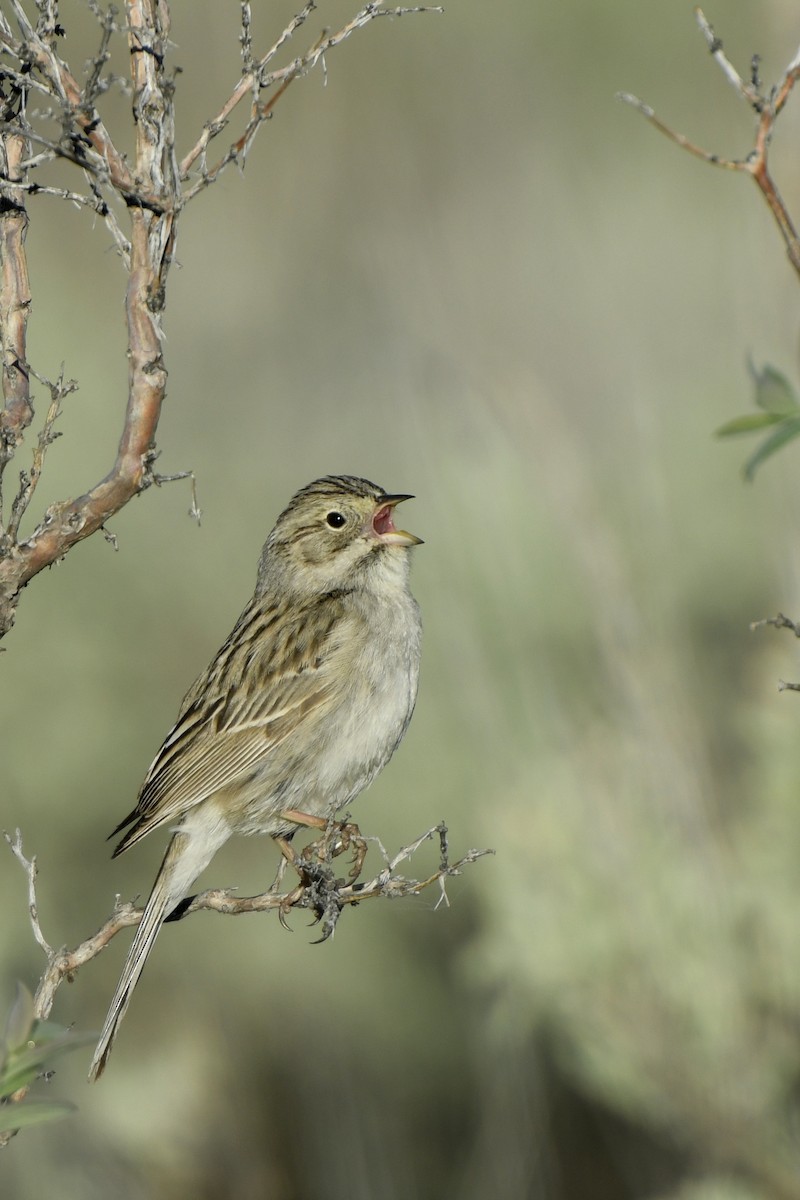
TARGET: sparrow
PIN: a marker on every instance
(303, 705)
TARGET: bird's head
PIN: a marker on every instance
(336, 532)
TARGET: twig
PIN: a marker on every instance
(768, 107)
(246, 39)
(780, 622)
(104, 159)
(95, 201)
(15, 293)
(150, 198)
(747, 91)
(195, 511)
(108, 25)
(31, 870)
(20, 80)
(319, 892)
(259, 79)
(47, 436)
(37, 189)
(110, 537)
(150, 186)
(730, 164)
(238, 150)
(245, 84)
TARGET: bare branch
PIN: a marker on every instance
(6, 36)
(15, 294)
(58, 391)
(150, 187)
(245, 84)
(768, 108)
(195, 511)
(238, 150)
(47, 25)
(730, 164)
(318, 891)
(246, 39)
(747, 91)
(150, 255)
(259, 79)
(780, 622)
(95, 151)
(94, 87)
(26, 81)
(95, 201)
(31, 870)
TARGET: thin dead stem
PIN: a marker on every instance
(319, 891)
(781, 622)
(257, 79)
(767, 107)
(151, 188)
(15, 295)
(47, 435)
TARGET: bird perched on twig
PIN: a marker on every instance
(301, 708)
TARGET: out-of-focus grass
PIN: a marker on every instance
(462, 270)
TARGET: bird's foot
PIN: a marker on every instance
(317, 887)
(351, 838)
(339, 837)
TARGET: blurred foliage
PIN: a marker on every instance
(780, 413)
(461, 269)
(26, 1050)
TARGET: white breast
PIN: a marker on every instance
(371, 674)
(380, 694)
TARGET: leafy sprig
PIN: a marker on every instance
(26, 1050)
(778, 410)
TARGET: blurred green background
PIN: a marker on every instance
(461, 269)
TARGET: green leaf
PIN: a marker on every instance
(49, 1031)
(23, 1067)
(774, 393)
(749, 423)
(33, 1112)
(20, 1019)
(785, 432)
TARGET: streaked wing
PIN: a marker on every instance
(261, 691)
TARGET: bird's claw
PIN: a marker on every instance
(317, 888)
(288, 902)
(349, 837)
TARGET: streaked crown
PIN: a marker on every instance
(332, 487)
(329, 534)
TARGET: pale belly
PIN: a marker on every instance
(320, 770)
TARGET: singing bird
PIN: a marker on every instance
(301, 708)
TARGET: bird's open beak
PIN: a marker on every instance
(383, 526)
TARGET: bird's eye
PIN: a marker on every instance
(336, 520)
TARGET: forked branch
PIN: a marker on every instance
(256, 78)
(767, 106)
(146, 194)
(318, 890)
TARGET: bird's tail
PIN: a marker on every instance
(187, 855)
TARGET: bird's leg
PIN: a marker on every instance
(350, 836)
(316, 884)
(300, 818)
(347, 834)
(289, 857)
(283, 863)
(313, 869)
